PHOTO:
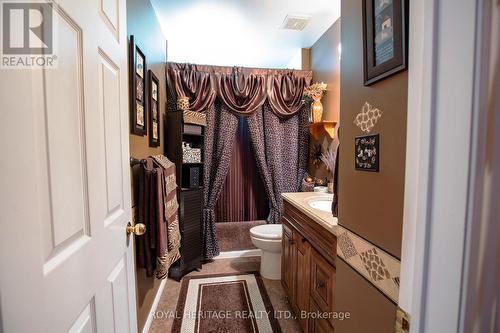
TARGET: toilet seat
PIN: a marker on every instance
(267, 231)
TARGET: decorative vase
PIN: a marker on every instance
(316, 109)
(182, 103)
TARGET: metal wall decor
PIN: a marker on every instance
(367, 117)
(366, 153)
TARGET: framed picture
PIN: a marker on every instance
(384, 38)
(366, 153)
(137, 92)
(154, 110)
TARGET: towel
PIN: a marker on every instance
(168, 217)
(159, 248)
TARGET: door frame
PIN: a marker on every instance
(446, 104)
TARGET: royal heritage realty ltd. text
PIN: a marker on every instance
(250, 315)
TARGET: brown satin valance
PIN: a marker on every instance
(195, 85)
(284, 93)
(243, 94)
(241, 89)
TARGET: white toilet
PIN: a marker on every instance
(267, 237)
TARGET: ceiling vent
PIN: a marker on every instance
(295, 22)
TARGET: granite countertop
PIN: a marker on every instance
(300, 200)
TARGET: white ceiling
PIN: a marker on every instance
(241, 32)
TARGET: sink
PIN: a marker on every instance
(324, 205)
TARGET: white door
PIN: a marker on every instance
(66, 263)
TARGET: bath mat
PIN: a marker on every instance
(224, 303)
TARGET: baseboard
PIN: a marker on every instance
(149, 321)
(239, 254)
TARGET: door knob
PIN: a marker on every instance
(137, 229)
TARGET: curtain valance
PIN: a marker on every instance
(243, 90)
(284, 93)
(197, 86)
(241, 93)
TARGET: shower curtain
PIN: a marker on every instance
(272, 102)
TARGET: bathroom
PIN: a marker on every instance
(250, 166)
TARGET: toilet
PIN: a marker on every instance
(267, 237)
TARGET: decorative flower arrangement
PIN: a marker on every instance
(329, 159)
(330, 156)
(314, 91)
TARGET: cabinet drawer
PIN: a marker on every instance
(322, 287)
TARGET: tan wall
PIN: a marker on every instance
(370, 204)
(143, 24)
(325, 65)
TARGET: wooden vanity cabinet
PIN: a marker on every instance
(308, 269)
(287, 261)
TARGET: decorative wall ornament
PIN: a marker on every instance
(137, 92)
(367, 118)
(154, 110)
(366, 151)
(316, 153)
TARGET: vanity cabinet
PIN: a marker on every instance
(308, 269)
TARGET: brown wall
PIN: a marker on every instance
(369, 310)
(325, 65)
(143, 24)
(370, 204)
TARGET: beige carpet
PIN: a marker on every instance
(224, 303)
(235, 236)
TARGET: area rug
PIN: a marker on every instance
(224, 303)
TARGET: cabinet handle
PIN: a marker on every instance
(303, 239)
(320, 285)
(291, 242)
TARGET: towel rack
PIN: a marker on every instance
(135, 161)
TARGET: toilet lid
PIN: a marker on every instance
(267, 231)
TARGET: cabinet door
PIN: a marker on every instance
(302, 275)
(316, 323)
(287, 262)
(322, 283)
(190, 227)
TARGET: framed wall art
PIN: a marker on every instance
(154, 110)
(384, 38)
(137, 92)
(366, 153)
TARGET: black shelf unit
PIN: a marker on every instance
(190, 198)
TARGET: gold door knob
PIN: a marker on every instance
(137, 229)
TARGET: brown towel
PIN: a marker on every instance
(157, 209)
(145, 245)
(168, 219)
